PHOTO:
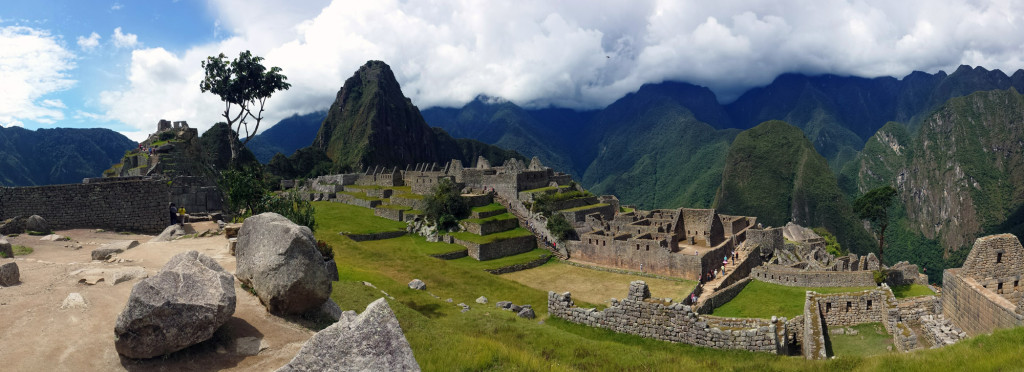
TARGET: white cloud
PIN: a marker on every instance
(580, 54)
(33, 64)
(116, 6)
(123, 40)
(89, 43)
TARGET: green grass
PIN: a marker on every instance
(596, 286)
(443, 338)
(625, 210)
(341, 217)
(407, 196)
(503, 216)
(912, 290)
(358, 195)
(417, 242)
(543, 189)
(472, 263)
(470, 237)
(762, 300)
(21, 250)
(871, 339)
(365, 187)
(488, 208)
(585, 207)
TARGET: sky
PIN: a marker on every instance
(126, 64)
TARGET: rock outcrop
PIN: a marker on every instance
(37, 223)
(418, 285)
(274, 258)
(9, 274)
(180, 306)
(371, 341)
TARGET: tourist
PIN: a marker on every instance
(174, 214)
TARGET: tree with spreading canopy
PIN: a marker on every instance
(242, 82)
(445, 206)
(874, 207)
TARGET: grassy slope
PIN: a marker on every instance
(763, 300)
(485, 338)
(595, 286)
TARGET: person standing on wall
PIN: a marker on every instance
(174, 214)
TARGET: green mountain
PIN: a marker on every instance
(960, 176)
(772, 171)
(57, 156)
(372, 123)
(288, 135)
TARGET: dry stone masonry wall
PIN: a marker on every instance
(134, 205)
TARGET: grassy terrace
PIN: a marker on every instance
(472, 263)
(912, 290)
(341, 217)
(359, 195)
(871, 339)
(503, 216)
(543, 189)
(762, 300)
(585, 207)
(416, 242)
(470, 237)
(443, 338)
(407, 195)
(595, 286)
(489, 208)
(394, 206)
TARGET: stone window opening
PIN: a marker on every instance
(848, 306)
(869, 304)
(1015, 284)
(604, 243)
(999, 287)
(828, 307)
(999, 258)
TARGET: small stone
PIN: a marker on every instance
(418, 285)
(91, 279)
(481, 300)
(105, 253)
(9, 274)
(526, 313)
(448, 300)
(503, 304)
(74, 301)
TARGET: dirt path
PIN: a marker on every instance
(36, 334)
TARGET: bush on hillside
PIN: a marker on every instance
(445, 206)
(832, 245)
(560, 227)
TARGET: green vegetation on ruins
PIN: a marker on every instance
(490, 238)
(912, 290)
(486, 338)
(764, 300)
(488, 208)
(500, 217)
(871, 339)
(580, 208)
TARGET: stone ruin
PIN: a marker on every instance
(985, 294)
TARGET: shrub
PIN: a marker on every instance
(248, 195)
(325, 249)
(445, 206)
(832, 245)
(560, 227)
(879, 276)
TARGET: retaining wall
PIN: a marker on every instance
(491, 227)
(375, 236)
(389, 213)
(782, 275)
(722, 296)
(499, 249)
(520, 267)
(134, 205)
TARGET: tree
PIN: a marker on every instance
(245, 83)
(445, 205)
(560, 227)
(874, 207)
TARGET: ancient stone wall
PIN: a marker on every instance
(375, 236)
(770, 240)
(721, 296)
(414, 203)
(623, 254)
(352, 200)
(578, 216)
(389, 213)
(912, 309)
(491, 227)
(813, 341)
(973, 308)
(196, 195)
(499, 249)
(675, 322)
(136, 205)
(782, 275)
(846, 309)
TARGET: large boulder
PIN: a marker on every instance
(6, 249)
(105, 253)
(418, 285)
(173, 232)
(274, 258)
(180, 306)
(9, 274)
(371, 341)
(37, 223)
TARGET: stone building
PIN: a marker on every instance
(985, 294)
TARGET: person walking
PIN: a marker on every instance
(174, 214)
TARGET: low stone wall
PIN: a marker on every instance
(813, 341)
(722, 296)
(782, 275)
(500, 248)
(408, 202)
(451, 255)
(488, 213)
(847, 309)
(574, 203)
(606, 211)
(478, 200)
(352, 200)
(389, 213)
(742, 270)
(520, 267)
(912, 309)
(196, 195)
(375, 236)
(137, 205)
(673, 322)
(491, 227)
(974, 309)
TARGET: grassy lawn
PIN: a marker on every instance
(21, 250)
(912, 290)
(543, 189)
(358, 195)
(871, 339)
(479, 221)
(595, 286)
(408, 195)
(762, 300)
(417, 242)
(394, 206)
(625, 210)
(443, 338)
(472, 263)
(585, 207)
(470, 237)
(341, 217)
(488, 208)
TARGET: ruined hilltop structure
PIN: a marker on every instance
(132, 195)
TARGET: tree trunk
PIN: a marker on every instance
(881, 244)
(233, 144)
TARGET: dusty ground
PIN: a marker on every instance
(37, 335)
(595, 286)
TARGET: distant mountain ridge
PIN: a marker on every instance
(288, 135)
(58, 155)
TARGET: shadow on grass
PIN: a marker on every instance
(429, 310)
